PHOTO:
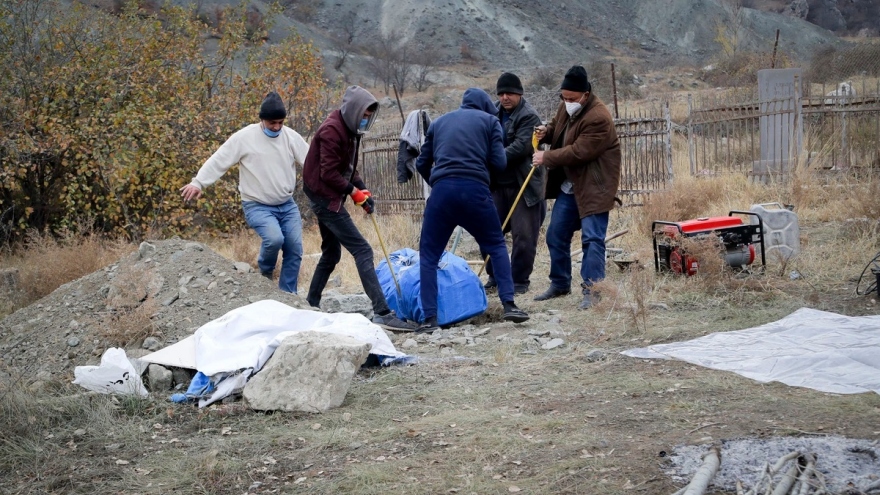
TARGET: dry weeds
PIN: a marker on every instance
(499, 417)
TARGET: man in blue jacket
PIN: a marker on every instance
(460, 149)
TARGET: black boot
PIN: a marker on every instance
(513, 313)
(551, 293)
(429, 326)
(589, 298)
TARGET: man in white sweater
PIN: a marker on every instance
(268, 153)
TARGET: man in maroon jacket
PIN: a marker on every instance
(329, 175)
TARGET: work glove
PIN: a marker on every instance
(363, 198)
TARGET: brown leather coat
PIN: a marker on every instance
(585, 149)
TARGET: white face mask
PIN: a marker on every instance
(572, 107)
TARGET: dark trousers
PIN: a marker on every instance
(337, 231)
(524, 227)
(467, 203)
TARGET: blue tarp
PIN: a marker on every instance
(460, 292)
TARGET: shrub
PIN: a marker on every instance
(117, 112)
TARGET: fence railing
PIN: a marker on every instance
(839, 129)
(646, 147)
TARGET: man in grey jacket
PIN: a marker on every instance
(518, 121)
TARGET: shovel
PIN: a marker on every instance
(385, 251)
(518, 196)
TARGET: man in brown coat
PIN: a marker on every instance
(584, 173)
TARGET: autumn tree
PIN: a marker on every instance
(105, 116)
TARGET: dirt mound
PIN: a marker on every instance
(151, 298)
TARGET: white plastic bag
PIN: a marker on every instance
(115, 374)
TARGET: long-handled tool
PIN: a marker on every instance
(385, 251)
(516, 201)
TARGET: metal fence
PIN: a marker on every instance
(645, 140)
(646, 149)
(825, 127)
(842, 126)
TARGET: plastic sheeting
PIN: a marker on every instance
(116, 374)
(460, 294)
(808, 348)
(235, 346)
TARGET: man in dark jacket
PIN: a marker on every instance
(460, 149)
(329, 175)
(584, 173)
(518, 122)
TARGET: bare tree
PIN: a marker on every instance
(729, 28)
(346, 39)
(389, 63)
(424, 63)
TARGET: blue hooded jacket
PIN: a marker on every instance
(465, 143)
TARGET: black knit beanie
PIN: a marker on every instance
(272, 107)
(576, 80)
(508, 83)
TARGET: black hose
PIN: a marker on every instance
(872, 286)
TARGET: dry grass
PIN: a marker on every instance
(45, 262)
(499, 416)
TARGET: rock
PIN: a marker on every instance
(826, 14)
(151, 344)
(594, 355)
(459, 341)
(9, 280)
(182, 376)
(334, 282)
(184, 280)
(241, 266)
(409, 344)
(193, 246)
(553, 344)
(309, 371)
(168, 301)
(347, 303)
(145, 250)
(158, 378)
(73, 342)
(797, 8)
(480, 332)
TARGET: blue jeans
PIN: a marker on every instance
(280, 227)
(564, 222)
(465, 202)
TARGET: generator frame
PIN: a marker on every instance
(755, 233)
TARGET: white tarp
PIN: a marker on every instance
(808, 348)
(233, 347)
(247, 336)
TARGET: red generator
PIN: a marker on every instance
(736, 238)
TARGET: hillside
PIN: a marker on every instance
(512, 34)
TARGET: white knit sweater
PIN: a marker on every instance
(267, 173)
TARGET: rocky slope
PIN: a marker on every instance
(145, 301)
(512, 34)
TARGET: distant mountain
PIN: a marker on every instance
(519, 33)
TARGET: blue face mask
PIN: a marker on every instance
(271, 133)
(363, 124)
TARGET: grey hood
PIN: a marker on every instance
(355, 102)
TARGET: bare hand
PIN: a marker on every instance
(538, 158)
(190, 192)
(541, 131)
